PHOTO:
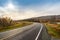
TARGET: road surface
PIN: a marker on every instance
(35, 31)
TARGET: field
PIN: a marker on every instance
(53, 29)
(9, 24)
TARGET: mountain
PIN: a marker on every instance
(44, 18)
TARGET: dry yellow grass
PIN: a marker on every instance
(17, 25)
(53, 29)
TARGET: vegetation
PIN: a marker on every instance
(8, 24)
(51, 25)
(51, 22)
(53, 29)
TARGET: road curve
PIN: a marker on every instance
(35, 31)
(28, 34)
(7, 34)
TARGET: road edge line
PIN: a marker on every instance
(39, 32)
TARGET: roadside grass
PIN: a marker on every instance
(18, 25)
(53, 29)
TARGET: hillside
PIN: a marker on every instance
(44, 19)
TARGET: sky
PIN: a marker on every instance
(23, 9)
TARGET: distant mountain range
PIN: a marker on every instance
(50, 17)
(45, 18)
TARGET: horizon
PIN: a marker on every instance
(23, 9)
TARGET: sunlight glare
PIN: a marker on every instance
(10, 6)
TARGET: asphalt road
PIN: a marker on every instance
(35, 31)
(10, 33)
(30, 34)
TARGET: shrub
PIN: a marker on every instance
(6, 22)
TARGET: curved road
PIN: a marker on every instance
(35, 31)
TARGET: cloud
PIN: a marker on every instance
(31, 11)
(48, 10)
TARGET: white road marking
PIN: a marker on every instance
(39, 32)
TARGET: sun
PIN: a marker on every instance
(10, 5)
